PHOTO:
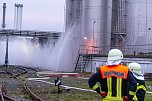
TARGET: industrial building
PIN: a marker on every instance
(125, 24)
(104, 24)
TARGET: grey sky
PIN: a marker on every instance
(45, 15)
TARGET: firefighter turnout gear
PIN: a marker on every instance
(139, 95)
(141, 90)
(113, 81)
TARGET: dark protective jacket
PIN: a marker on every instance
(140, 91)
(114, 81)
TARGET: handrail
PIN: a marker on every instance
(84, 49)
(134, 50)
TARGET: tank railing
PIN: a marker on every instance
(128, 50)
(138, 50)
(84, 49)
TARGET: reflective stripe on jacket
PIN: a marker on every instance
(114, 75)
(141, 90)
(113, 81)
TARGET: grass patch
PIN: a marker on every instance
(149, 83)
(148, 97)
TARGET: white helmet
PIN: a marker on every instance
(135, 68)
(115, 54)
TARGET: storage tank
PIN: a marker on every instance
(139, 26)
(69, 42)
(73, 12)
(96, 22)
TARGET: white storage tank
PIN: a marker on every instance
(73, 12)
(139, 26)
(96, 22)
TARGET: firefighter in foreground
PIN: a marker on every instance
(113, 79)
(135, 68)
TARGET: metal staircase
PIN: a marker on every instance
(86, 54)
(118, 23)
(82, 59)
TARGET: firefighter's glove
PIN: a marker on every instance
(125, 98)
(103, 94)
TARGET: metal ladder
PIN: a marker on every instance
(85, 54)
(118, 22)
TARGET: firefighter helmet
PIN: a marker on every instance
(135, 68)
(115, 54)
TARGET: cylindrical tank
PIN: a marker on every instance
(139, 26)
(68, 12)
(96, 22)
(73, 10)
(18, 16)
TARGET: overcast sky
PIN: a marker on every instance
(44, 15)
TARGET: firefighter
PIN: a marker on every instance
(135, 68)
(111, 80)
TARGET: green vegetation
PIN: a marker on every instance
(148, 97)
(149, 83)
(49, 92)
